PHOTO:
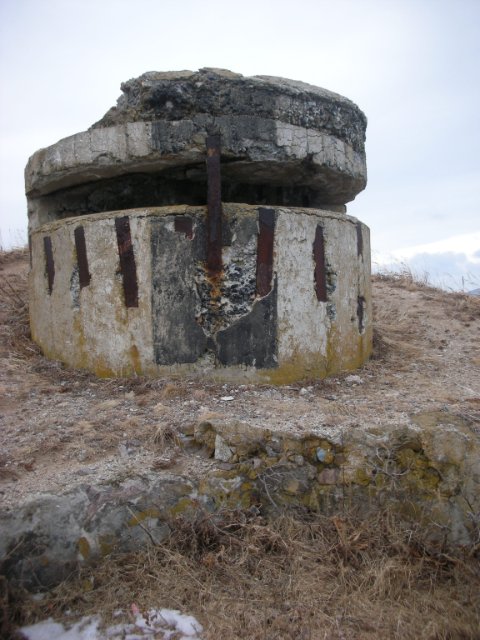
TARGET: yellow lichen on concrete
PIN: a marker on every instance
(183, 506)
(106, 543)
(140, 516)
(84, 547)
(297, 368)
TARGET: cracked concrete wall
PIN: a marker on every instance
(145, 304)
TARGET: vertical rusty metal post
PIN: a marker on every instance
(82, 260)
(49, 262)
(214, 205)
(359, 239)
(128, 267)
(319, 275)
(266, 230)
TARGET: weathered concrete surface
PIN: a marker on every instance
(427, 470)
(47, 539)
(283, 143)
(178, 95)
(158, 310)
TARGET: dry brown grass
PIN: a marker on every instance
(403, 308)
(13, 255)
(14, 325)
(245, 577)
(457, 304)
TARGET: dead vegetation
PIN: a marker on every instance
(297, 577)
(14, 323)
(458, 304)
(12, 255)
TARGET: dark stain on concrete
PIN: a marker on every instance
(191, 317)
(252, 340)
(177, 337)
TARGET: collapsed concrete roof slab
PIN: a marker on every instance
(283, 143)
(199, 229)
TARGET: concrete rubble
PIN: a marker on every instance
(283, 143)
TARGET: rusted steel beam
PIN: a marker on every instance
(127, 261)
(359, 239)
(361, 313)
(82, 260)
(184, 225)
(266, 232)
(319, 274)
(214, 205)
(49, 262)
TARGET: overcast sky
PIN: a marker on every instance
(413, 67)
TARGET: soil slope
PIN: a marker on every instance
(59, 426)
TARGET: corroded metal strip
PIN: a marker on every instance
(49, 263)
(359, 239)
(266, 231)
(184, 225)
(319, 274)
(361, 313)
(214, 205)
(127, 261)
(82, 260)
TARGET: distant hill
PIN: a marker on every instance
(474, 292)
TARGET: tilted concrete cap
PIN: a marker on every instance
(283, 143)
(199, 229)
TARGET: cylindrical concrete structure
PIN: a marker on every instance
(144, 262)
(128, 292)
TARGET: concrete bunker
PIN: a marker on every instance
(200, 227)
